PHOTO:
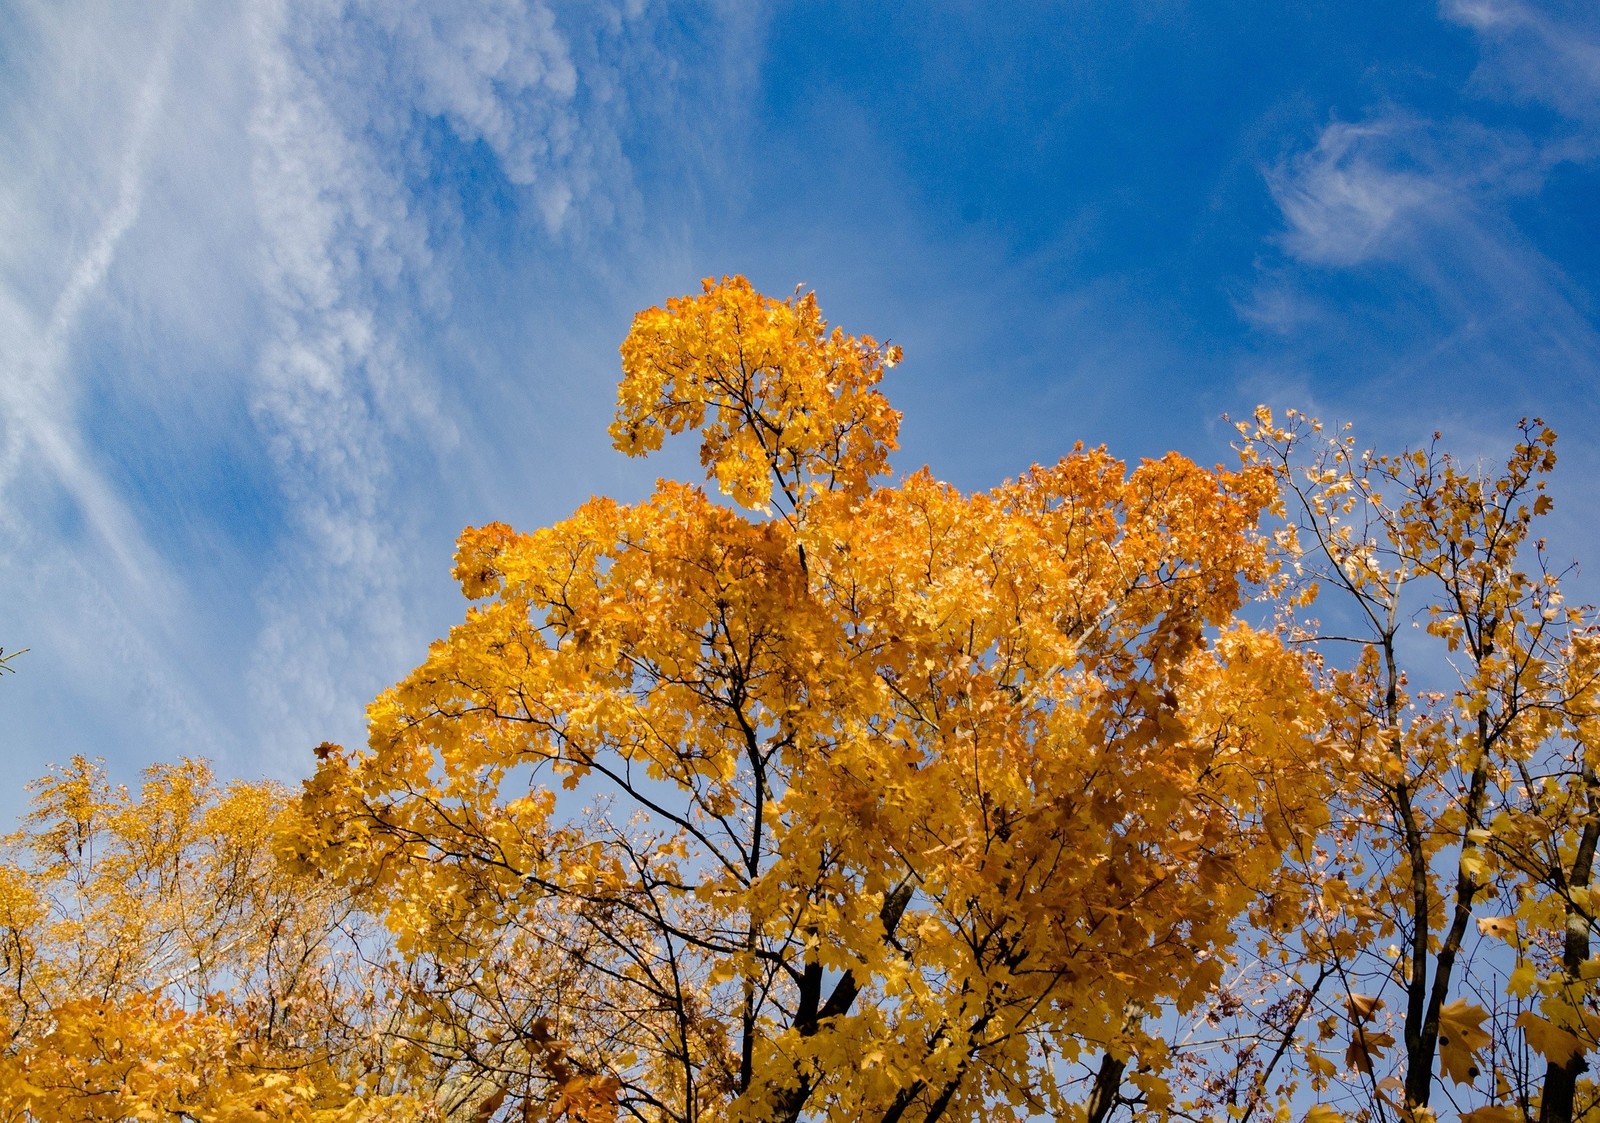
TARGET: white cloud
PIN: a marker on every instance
(497, 71)
(345, 249)
(96, 596)
(1405, 279)
(1343, 204)
(35, 393)
(225, 265)
(1404, 188)
(1373, 190)
(1489, 314)
(1545, 54)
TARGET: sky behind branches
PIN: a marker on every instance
(293, 290)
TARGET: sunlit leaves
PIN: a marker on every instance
(949, 781)
(159, 963)
(778, 399)
(1461, 689)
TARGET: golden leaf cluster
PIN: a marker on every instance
(831, 795)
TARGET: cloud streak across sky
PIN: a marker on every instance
(292, 290)
(215, 481)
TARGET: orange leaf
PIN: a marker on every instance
(1362, 1007)
(1365, 1047)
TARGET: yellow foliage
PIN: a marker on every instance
(159, 963)
(831, 796)
(733, 803)
(1492, 1113)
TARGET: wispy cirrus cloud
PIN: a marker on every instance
(1344, 202)
(1404, 286)
(1401, 260)
(1367, 190)
(97, 595)
(1547, 53)
(1431, 194)
(356, 275)
(37, 338)
(229, 261)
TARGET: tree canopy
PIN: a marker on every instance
(826, 795)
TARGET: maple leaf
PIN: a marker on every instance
(1365, 1047)
(1492, 1113)
(1362, 1007)
(1460, 1037)
(1549, 1040)
(1500, 927)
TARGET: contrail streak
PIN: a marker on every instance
(35, 395)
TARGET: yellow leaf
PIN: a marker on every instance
(1522, 980)
(1461, 1035)
(1322, 1113)
(1491, 1114)
(1548, 1040)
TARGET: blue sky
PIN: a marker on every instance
(293, 290)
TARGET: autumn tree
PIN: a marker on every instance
(1444, 961)
(829, 797)
(158, 962)
(1175, 793)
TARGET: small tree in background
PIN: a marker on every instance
(158, 962)
(1442, 966)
